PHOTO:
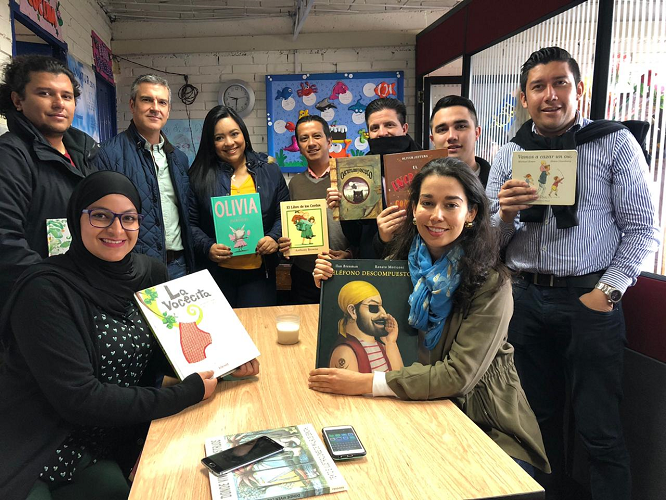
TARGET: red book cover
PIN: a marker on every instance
(400, 169)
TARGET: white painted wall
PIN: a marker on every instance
(206, 71)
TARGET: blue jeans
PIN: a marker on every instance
(561, 344)
(177, 268)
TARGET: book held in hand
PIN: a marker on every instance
(305, 223)
(359, 181)
(195, 325)
(238, 222)
(363, 317)
(551, 172)
(58, 236)
(303, 469)
(400, 169)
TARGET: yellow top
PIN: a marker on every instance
(243, 261)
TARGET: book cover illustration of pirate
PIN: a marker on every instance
(303, 469)
(305, 223)
(238, 222)
(551, 172)
(195, 325)
(400, 169)
(359, 181)
(363, 317)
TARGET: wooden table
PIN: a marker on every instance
(416, 450)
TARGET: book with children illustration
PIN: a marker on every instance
(363, 317)
(303, 469)
(305, 223)
(359, 181)
(58, 236)
(551, 172)
(238, 222)
(195, 325)
(400, 169)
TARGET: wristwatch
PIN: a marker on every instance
(613, 294)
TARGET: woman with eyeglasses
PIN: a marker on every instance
(226, 165)
(461, 304)
(80, 363)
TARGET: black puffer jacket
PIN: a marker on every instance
(36, 182)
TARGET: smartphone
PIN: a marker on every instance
(241, 455)
(343, 442)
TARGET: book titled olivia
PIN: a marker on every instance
(303, 469)
(195, 325)
(238, 222)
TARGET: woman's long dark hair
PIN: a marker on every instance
(480, 242)
(205, 167)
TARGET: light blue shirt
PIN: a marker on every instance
(617, 224)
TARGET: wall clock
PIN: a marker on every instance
(238, 95)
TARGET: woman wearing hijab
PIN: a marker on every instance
(461, 304)
(79, 360)
(226, 165)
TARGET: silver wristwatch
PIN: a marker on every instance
(612, 294)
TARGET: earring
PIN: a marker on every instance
(414, 220)
(469, 224)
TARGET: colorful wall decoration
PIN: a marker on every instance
(339, 98)
(85, 115)
(46, 13)
(102, 58)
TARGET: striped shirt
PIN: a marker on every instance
(377, 360)
(617, 225)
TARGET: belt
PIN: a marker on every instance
(584, 281)
(173, 255)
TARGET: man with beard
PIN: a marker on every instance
(367, 334)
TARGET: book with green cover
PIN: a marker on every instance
(303, 469)
(238, 222)
(363, 317)
(359, 181)
(195, 325)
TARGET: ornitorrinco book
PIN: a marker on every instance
(303, 469)
(359, 181)
(195, 325)
(363, 315)
(400, 169)
(238, 222)
(305, 223)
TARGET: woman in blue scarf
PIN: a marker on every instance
(461, 304)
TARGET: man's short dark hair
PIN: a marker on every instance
(544, 56)
(455, 100)
(387, 103)
(314, 118)
(16, 75)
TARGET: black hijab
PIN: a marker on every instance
(107, 285)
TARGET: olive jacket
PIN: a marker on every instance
(472, 364)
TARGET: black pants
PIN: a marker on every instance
(303, 288)
(247, 287)
(562, 344)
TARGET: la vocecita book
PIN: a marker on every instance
(400, 169)
(303, 469)
(359, 181)
(305, 223)
(363, 317)
(551, 172)
(238, 222)
(195, 325)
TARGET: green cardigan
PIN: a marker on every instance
(473, 365)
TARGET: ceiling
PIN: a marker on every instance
(299, 10)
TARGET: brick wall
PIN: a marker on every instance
(207, 71)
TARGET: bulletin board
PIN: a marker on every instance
(339, 98)
(85, 114)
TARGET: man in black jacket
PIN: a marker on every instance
(159, 171)
(454, 127)
(43, 159)
(387, 128)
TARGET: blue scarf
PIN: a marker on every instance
(434, 285)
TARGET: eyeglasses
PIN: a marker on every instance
(102, 218)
